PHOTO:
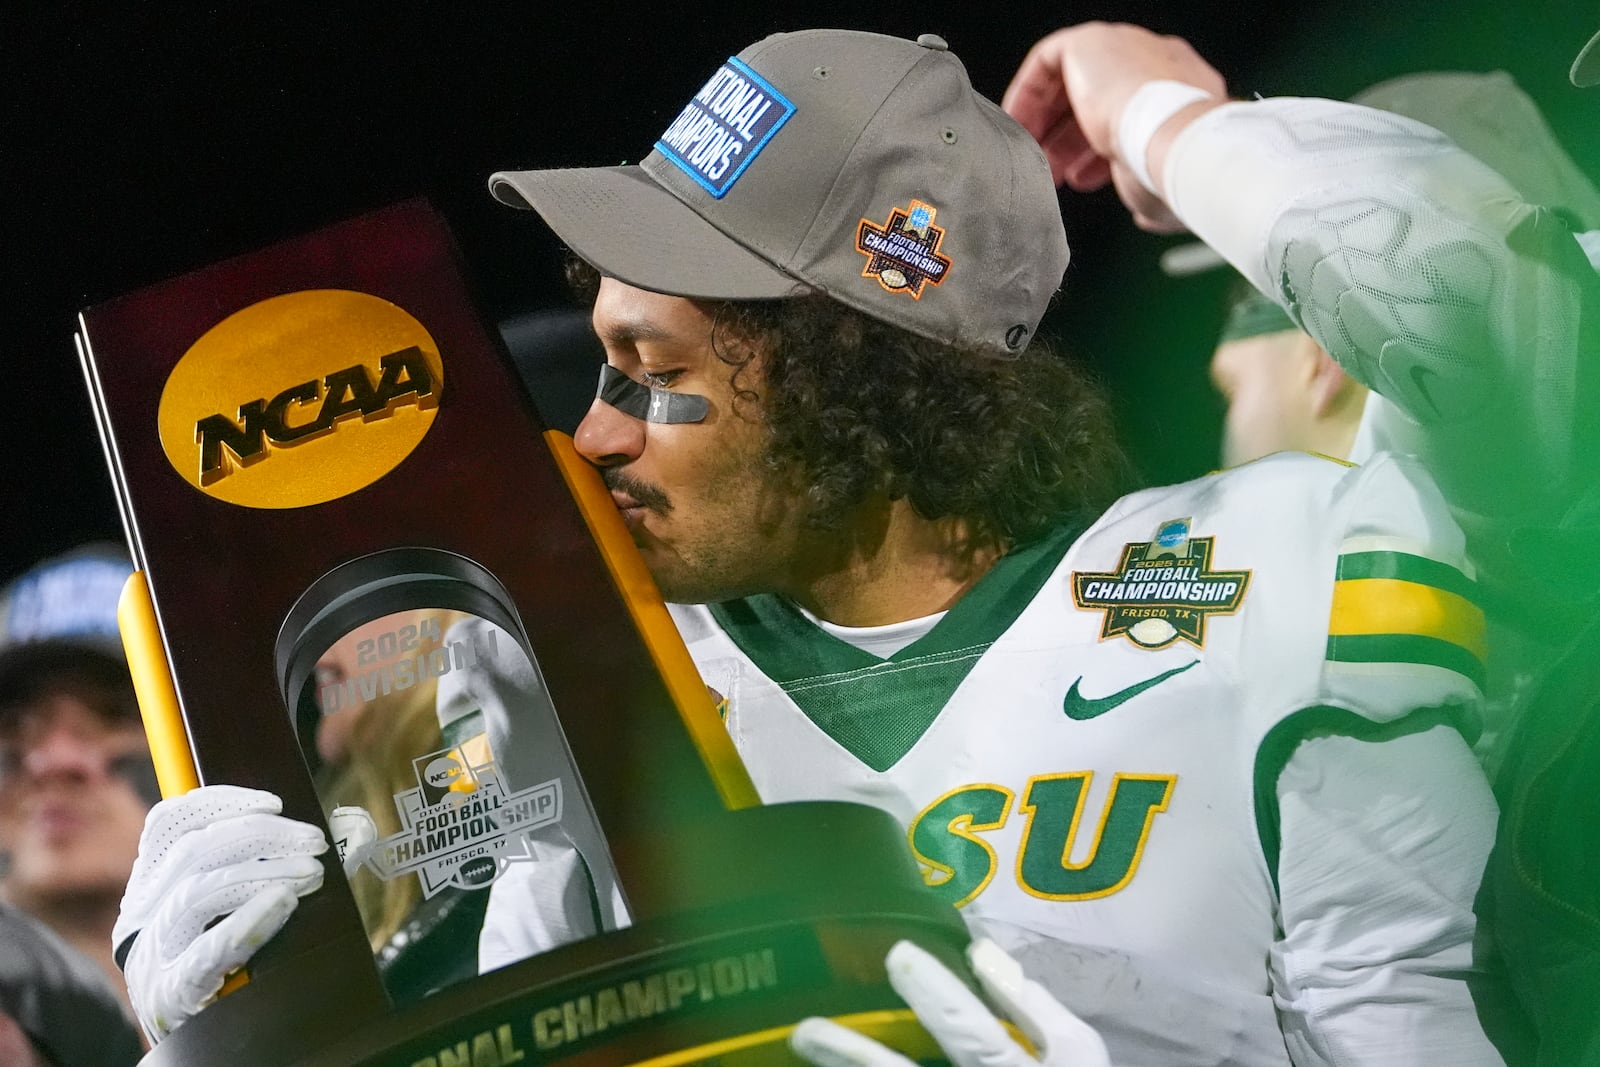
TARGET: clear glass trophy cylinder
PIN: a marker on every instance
(441, 766)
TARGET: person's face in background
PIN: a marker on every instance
(75, 783)
(359, 652)
(1262, 379)
(335, 666)
(1283, 394)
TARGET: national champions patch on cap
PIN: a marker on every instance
(727, 124)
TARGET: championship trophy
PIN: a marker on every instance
(368, 581)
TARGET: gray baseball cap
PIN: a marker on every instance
(859, 165)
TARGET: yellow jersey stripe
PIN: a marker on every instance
(1370, 606)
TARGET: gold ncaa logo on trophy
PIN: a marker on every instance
(300, 399)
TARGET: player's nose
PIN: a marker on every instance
(608, 438)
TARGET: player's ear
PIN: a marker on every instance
(1331, 387)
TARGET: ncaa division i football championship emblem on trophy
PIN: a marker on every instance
(371, 582)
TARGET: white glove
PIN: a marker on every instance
(354, 834)
(968, 1031)
(216, 851)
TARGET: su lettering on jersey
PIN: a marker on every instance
(947, 836)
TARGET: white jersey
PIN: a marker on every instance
(1085, 749)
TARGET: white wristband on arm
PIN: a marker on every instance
(1146, 111)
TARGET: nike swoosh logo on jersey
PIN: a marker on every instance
(1419, 376)
(1082, 708)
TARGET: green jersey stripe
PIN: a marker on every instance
(1406, 648)
(1407, 568)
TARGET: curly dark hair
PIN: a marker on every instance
(1013, 445)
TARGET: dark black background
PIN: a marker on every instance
(138, 142)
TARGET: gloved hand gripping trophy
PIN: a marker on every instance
(220, 854)
(967, 1031)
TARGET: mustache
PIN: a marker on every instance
(646, 494)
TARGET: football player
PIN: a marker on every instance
(1189, 757)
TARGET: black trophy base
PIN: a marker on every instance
(786, 911)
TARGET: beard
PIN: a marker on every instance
(736, 533)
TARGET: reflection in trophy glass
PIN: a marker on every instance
(461, 824)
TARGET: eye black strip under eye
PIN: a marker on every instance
(643, 402)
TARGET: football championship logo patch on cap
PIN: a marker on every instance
(1162, 590)
(729, 121)
(903, 253)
